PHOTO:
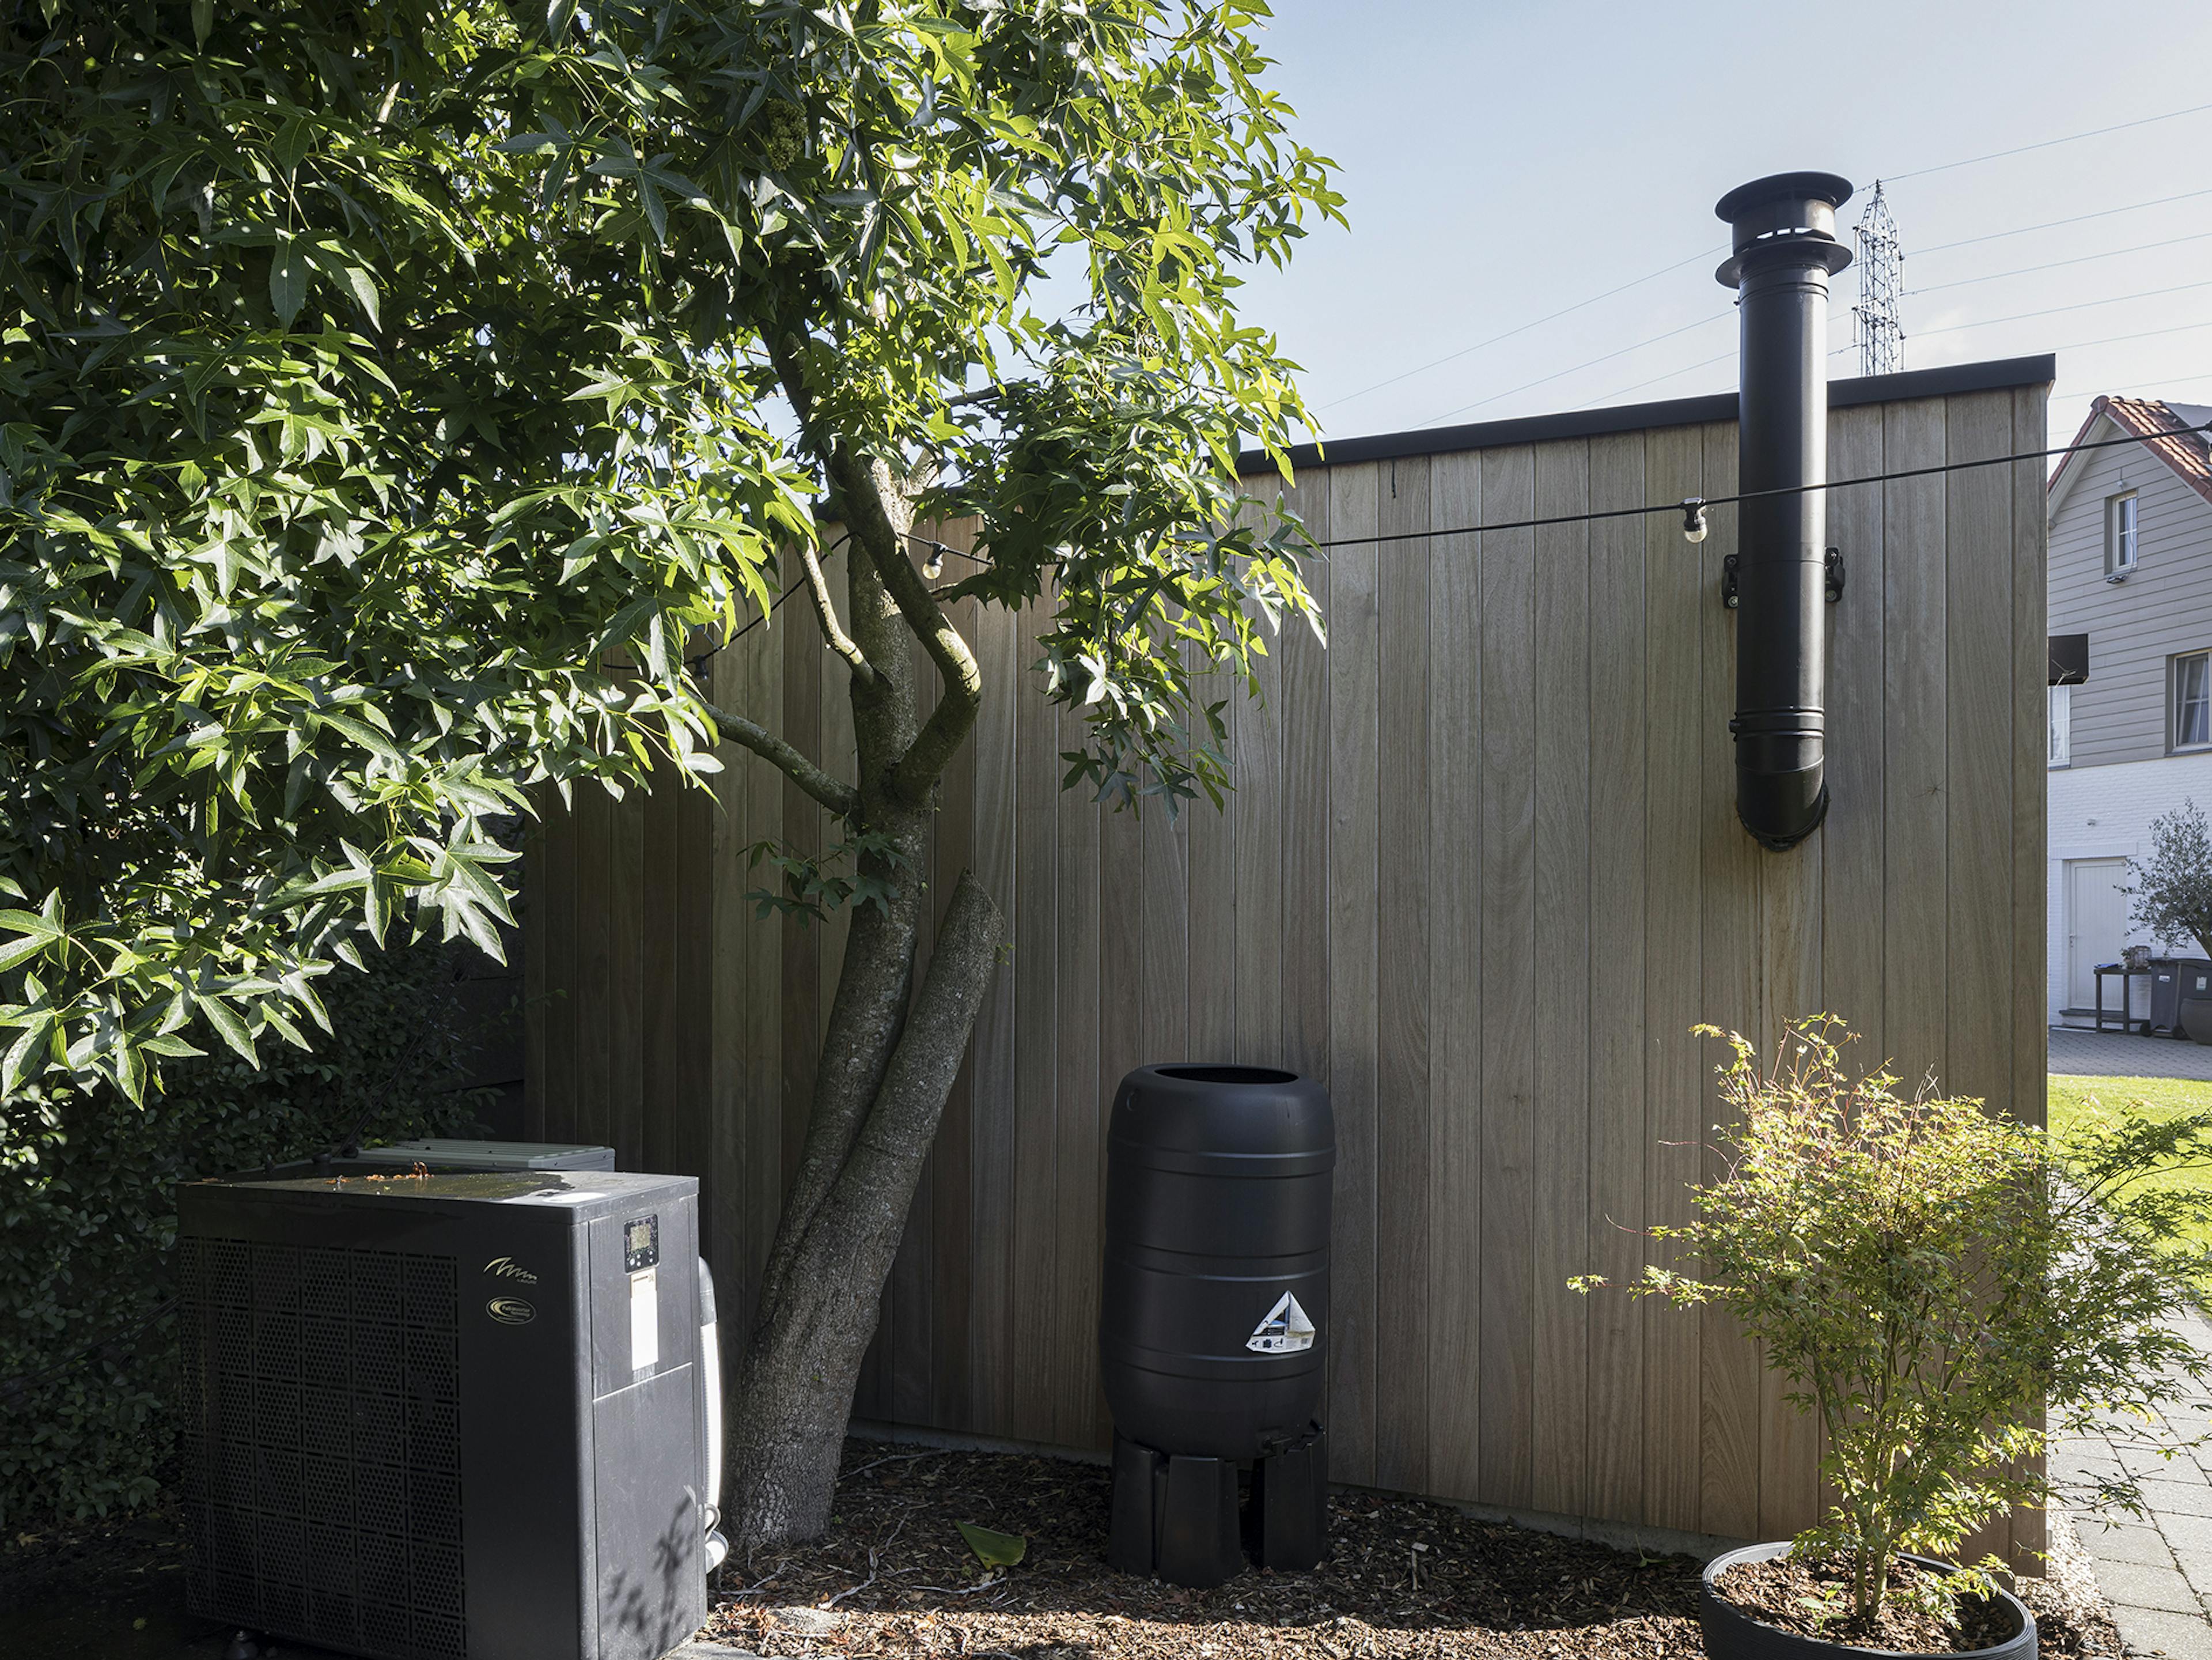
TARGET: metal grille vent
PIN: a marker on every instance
(321, 1392)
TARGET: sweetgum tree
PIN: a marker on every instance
(375, 376)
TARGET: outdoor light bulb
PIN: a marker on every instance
(933, 567)
(1693, 519)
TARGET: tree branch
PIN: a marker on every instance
(866, 488)
(841, 799)
(825, 613)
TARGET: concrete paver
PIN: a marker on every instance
(2177, 1636)
(2080, 1054)
(2155, 1570)
(2124, 1542)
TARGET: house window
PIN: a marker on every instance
(2192, 701)
(2062, 724)
(2120, 539)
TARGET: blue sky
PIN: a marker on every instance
(1503, 161)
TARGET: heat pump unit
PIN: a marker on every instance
(436, 1414)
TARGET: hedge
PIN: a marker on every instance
(87, 1220)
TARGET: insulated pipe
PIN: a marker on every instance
(1785, 250)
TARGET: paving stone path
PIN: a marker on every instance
(2081, 1054)
(2155, 1570)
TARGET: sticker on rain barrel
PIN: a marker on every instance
(1285, 1331)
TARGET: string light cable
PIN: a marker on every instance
(931, 568)
(1693, 508)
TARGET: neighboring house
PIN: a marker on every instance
(2131, 568)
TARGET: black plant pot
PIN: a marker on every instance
(1732, 1635)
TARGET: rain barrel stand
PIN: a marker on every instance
(1179, 1517)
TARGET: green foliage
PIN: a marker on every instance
(811, 887)
(88, 1215)
(371, 374)
(2173, 887)
(2081, 1106)
(1925, 1274)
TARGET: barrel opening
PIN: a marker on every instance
(1229, 1074)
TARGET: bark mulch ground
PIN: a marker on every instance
(1405, 1577)
(113, 1588)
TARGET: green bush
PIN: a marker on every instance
(87, 1218)
(1925, 1276)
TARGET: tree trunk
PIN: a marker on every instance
(886, 1068)
(795, 1389)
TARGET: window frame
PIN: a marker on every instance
(2123, 505)
(2175, 744)
(2058, 727)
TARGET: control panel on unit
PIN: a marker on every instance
(641, 1259)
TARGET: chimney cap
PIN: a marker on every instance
(1832, 188)
(1784, 209)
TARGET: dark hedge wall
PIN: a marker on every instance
(87, 1219)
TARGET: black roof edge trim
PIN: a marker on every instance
(1993, 376)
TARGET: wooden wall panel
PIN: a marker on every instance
(1354, 668)
(1505, 754)
(1677, 594)
(1402, 855)
(1561, 1146)
(1481, 875)
(1916, 745)
(1455, 1012)
(1731, 866)
(1620, 1138)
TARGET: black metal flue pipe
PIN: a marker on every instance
(1785, 251)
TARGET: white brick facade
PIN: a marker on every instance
(2105, 812)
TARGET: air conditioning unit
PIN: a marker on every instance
(449, 1413)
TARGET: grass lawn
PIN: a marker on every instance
(2083, 1100)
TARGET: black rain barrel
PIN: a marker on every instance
(1213, 1323)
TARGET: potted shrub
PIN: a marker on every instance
(2172, 894)
(1926, 1275)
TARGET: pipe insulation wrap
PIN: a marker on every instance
(1785, 251)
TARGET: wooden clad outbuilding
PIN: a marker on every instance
(1481, 873)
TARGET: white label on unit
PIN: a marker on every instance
(1285, 1331)
(644, 1320)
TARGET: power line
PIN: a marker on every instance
(2143, 386)
(1453, 357)
(2054, 264)
(1703, 322)
(2053, 224)
(1921, 173)
(2047, 143)
(1693, 504)
(2053, 311)
(1837, 352)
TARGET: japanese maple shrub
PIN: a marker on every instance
(1926, 1275)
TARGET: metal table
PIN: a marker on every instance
(2125, 974)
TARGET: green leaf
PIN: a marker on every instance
(288, 281)
(16, 1068)
(229, 1027)
(203, 21)
(359, 283)
(996, 1550)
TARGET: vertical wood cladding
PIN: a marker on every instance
(1482, 874)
